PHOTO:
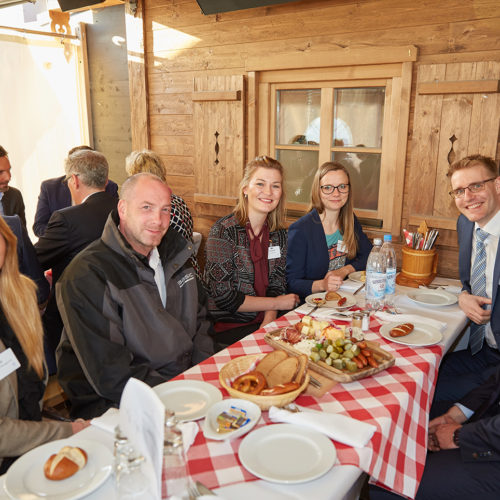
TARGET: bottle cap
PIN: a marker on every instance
(387, 237)
(377, 241)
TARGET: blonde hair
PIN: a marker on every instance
(346, 215)
(19, 303)
(276, 218)
(147, 161)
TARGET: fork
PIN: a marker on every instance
(193, 491)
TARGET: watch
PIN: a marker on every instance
(456, 437)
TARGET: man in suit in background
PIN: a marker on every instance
(28, 262)
(55, 194)
(73, 228)
(11, 199)
(466, 445)
(476, 190)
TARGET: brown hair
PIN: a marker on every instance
(276, 218)
(346, 215)
(145, 160)
(19, 303)
(472, 161)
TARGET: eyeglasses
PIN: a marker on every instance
(329, 189)
(68, 177)
(475, 187)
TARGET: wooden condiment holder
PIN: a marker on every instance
(419, 267)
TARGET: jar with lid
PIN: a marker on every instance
(357, 319)
(174, 460)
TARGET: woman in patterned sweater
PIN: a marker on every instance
(246, 255)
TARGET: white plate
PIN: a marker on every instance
(332, 304)
(356, 276)
(25, 479)
(433, 298)
(422, 335)
(189, 399)
(287, 453)
(210, 423)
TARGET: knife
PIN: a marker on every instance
(359, 289)
(203, 489)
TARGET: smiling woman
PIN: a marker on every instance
(245, 256)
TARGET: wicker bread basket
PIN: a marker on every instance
(240, 365)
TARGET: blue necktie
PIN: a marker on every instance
(478, 287)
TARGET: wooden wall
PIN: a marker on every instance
(180, 44)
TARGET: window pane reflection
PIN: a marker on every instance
(358, 117)
(300, 167)
(297, 120)
(364, 172)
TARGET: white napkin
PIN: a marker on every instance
(350, 286)
(340, 428)
(409, 318)
(323, 312)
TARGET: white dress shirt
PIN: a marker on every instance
(156, 265)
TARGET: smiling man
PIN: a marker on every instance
(475, 187)
(11, 199)
(130, 303)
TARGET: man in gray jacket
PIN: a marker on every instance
(130, 303)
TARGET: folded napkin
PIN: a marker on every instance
(340, 428)
(109, 420)
(350, 286)
(409, 318)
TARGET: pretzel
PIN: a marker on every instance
(401, 330)
(250, 383)
(280, 389)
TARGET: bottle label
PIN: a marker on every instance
(375, 285)
(390, 281)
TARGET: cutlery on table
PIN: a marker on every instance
(198, 489)
(359, 289)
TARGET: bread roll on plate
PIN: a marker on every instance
(67, 462)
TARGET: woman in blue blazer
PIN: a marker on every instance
(328, 243)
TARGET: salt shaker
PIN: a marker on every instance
(174, 460)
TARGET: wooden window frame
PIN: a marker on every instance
(392, 66)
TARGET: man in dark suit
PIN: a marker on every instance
(476, 189)
(11, 199)
(466, 440)
(28, 262)
(55, 195)
(73, 228)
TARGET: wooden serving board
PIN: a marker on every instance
(385, 360)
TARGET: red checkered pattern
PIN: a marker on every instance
(396, 401)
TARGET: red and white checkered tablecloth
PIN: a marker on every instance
(396, 401)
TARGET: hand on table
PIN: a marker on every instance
(471, 305)
(286, 302)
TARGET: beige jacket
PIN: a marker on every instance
(19, 436)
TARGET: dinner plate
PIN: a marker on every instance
(210, 424)
(25, 479)
(287, 453)
(422, 335)
(359, 276)
(332, 304)
(433, 298)
(189, 399)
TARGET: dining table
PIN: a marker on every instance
(396, 401)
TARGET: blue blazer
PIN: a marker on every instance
(465, 229)
(28, 262)
(307, 256)
(55, 195)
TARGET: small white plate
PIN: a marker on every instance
(433, 298)
(421, 336)
(25, 478)
(332, 304)
(287, 453)
(358, 276)
(189, 399)
(210, 423)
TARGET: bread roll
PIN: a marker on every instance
(401, 330)
(67, 462)
(269, 361)
(283, 372)
(331, 296)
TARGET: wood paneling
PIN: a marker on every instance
(181, 44)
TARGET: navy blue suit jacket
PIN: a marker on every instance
(28, 262)
(55, 195)
(13, 203)
(307, 255)
(465, 229)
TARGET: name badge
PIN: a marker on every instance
(8, 363)
(274, 253)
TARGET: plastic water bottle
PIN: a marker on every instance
(390, 269)
(375, 277)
